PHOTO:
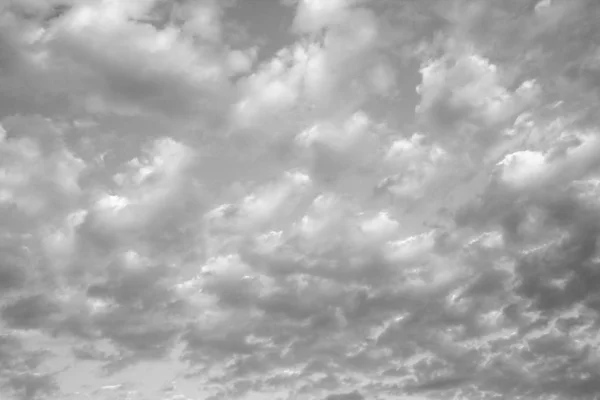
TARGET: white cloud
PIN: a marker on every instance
(408, 249)
(412, 168)
(268, 205)
(39, 174)
(61, 242)
(202, 19)
(309, 76)
(571, 158)
(339, 149)
(339, 140)
(274, 88)
(324, 220)
(379, 227)
(133, 66)
(523, 169)
(312, 15)
(463, 93)
(150, 186)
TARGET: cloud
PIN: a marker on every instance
(312, 16)
(39, 172)
(345, 396)
(337, 149)
(463, 92)
(29, 312)
(18, 366)
(28, 386)
(267, 207)
(118, 60)
(361, 208)
(13, 267)
(572, 158)
(146, 187)
(307, 77)
(157, 67)
(413, 167)
(274, 89)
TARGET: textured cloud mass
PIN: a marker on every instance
(299, 199)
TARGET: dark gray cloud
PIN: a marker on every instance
(345, 396)
(29, 312)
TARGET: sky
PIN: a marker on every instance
(299, 199)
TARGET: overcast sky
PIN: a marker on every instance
(299, 199)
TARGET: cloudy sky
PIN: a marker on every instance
(299, 199)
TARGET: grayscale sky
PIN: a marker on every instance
(299, 199)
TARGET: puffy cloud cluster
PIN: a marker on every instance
(414, 167)
(134, 62)
(18, 365)
(464, 99)
(39, 174)
(341, 150)
(572, 157)
(148, 186)
(188, 213)
(338, 45)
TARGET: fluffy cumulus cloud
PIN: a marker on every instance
(307, 199)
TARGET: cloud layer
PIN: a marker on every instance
(352, 200)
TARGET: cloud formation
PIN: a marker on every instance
(349, 199)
